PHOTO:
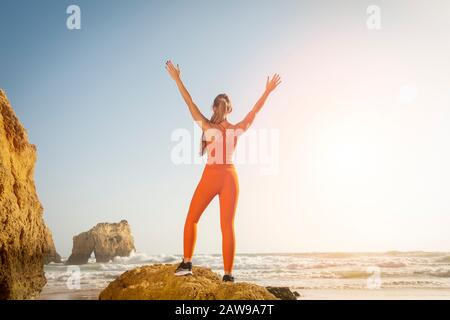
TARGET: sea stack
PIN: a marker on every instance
(105, 240)
(24, 237)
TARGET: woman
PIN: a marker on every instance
(219, 176)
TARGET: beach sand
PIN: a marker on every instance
(88, 294)
(375, 294)
(306, 294)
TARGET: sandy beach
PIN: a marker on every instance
(376, 294)
(308, 294)
(87, 294)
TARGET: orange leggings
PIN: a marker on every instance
(217, 179)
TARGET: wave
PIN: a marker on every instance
(142, 258)
(353, 274)
(338, 255)
(445, 259)
(423, 254)
(441, 273)
(391, 264)
(312, 270)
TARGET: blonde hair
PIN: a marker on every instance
(221, 108)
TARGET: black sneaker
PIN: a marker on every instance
(184, 268)
(228, 278)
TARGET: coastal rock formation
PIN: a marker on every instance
(283, 293)
(23, 234)
(106, 240)
(158, 282)
(50, 254)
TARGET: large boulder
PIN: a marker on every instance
(284, 293)
(158, 282)
(23, 233)
(105, 240)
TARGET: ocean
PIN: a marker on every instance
(299, 271)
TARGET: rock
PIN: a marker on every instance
(83, 246)
(106, 240)
(53, 256)
(23, 233)
(50, 254)
(297, 294)
(283, 293)
(158, 282)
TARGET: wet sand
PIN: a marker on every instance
(306, 294)
(375, 294)
(88, 294)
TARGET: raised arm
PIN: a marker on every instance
(198, 117)
(271, 85)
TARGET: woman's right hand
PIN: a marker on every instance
(271, 84)
(173, 72)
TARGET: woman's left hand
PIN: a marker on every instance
(271, 84)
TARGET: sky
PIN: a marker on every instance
(360, 122)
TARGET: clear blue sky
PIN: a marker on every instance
(100, 107)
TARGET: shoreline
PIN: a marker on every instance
(305, 294)
(86, 294)
(376, 294)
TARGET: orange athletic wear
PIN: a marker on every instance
(219, 178)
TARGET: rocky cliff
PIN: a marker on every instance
(106, 240)
(158, 282)
(50, 255)
(23, 233)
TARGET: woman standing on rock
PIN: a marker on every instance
(219, 176)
